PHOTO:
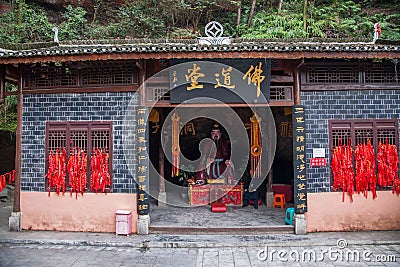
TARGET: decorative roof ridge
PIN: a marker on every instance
(342, 41)
(27, 46)
(235, 41)
(232, 44)
(143, 41)
(4, 50)
(193, 42)
(304, 42)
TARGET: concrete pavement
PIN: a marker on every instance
(189, 241)
(44, 247)
(103, 255)
(199, 241)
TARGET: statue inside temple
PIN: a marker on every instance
(218, 166)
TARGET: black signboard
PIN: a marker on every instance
(299, 159)
(227, 81)
(142, 170)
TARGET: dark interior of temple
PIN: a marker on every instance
(199, 128)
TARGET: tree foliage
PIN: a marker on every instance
(24, 24)
(8, 111)
(187, 18)
(75, 24)
(328, 19)
(137, 20)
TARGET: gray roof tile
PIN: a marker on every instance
(91, 47)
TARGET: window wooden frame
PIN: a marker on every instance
(90, 76)
(357, 130)
(367, 75)
(62, 131)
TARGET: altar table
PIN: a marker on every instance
(204, 194)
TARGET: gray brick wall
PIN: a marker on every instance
(327, 105)
(38, 109)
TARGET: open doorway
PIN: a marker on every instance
(201, 216)
(282, 167)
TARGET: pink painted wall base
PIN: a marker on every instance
(89, 213)
(327, 212)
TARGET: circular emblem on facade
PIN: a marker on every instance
(214, 29)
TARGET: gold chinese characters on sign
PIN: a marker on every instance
(226, 80)
(223, 78)
(142, 169)
(299, 159)
(254, 75)
(286, 129)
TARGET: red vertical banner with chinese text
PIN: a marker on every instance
(299, 159)
(142, 160)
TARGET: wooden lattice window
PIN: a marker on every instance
(109, 74)
(381, 73)
(333, 73)
(354, 132)
(57, 138)
(359, 131)
(281, 93)
(351, 73)
(49, 76)
(387, 135)
(160, 94)
(87, 136)
(80, 75)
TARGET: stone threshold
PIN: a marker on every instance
(278, 229)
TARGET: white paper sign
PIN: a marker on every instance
(318, 152)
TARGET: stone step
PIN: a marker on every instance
(278, 229)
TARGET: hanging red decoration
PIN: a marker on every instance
(76, 165)
(255, 149)
(77, 170)
(3, 179)
(388, 166)
(342, 168)
(3, 182)
(364, 156)
(100, 178)
(56, 171)
(175, 144)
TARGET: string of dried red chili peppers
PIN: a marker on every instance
(100, 177)
(3, 179)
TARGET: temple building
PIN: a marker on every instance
(112, 125)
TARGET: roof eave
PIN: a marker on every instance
(201, 55)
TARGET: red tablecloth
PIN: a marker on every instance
(200, 195)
